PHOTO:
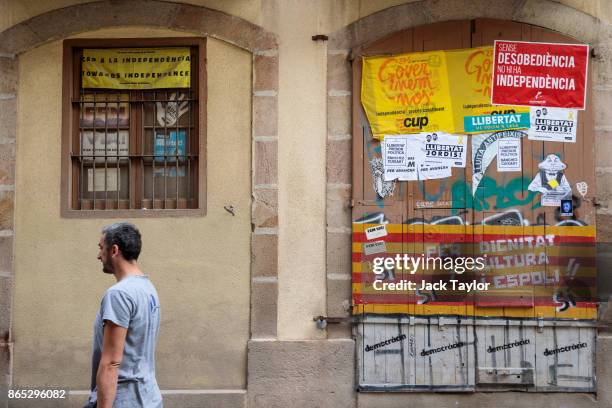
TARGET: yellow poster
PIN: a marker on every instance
(444, 91)
(406, 93)
(136, 68)
(469, 75)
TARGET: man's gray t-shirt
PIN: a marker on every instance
(131, 303)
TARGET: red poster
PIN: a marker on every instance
(540, 74)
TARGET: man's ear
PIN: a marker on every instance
(114, 249)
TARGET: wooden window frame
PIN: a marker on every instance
(70, 92)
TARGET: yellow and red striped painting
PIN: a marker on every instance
(534, 271)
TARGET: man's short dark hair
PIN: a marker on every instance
(126, 236)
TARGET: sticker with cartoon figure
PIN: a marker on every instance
(551, 182)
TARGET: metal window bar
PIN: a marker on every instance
(188, 150)
(176, 151)
(106, 150)
(153, 146)
(81, 177)
(93, 180)
(166, 134)
(143, 100)
(142, 150)
(129, 169)
(118, 175)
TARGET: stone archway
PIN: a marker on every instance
(263, 45)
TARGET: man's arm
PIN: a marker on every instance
(110, 360)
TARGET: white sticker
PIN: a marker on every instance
(376, 232)
(551, 182)
(432, 171)
(509, 155)
(105, 146)
(399, 158)
(376, 247)
(553, 124)
(444, 148)
(97, 183)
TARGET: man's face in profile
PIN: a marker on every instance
(105, 257)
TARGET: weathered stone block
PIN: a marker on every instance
(603, 141)
(264, 255)
(6, 355)
(339, 73)
(338, 207)
(6, 285)
(8, 75)
(6, 254)
(7, 163)
(264, 309)
(265, 70)
(266, 163)
(91, 16)
(338, 297)
(8, 118)
(17, 39)
(602, 63)
(339, 115)
(265, 208)
(604, 370)
(339, 161)
(265, 115)
(301, 374)
(339, 253)
(602, 100)
(468, 9)
(604, 228)
(558, 17)
(7, 199)
(238, 31)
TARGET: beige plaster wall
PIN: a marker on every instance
(301, 152)
(200, 265)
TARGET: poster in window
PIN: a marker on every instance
(108, 146)
(136, 68)
(168, 147)
(96, 179)
(105, 111)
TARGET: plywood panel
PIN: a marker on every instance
(505, 356)
(564, 359)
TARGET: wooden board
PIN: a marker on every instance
(545, 306)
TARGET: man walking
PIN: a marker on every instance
(126, 327)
